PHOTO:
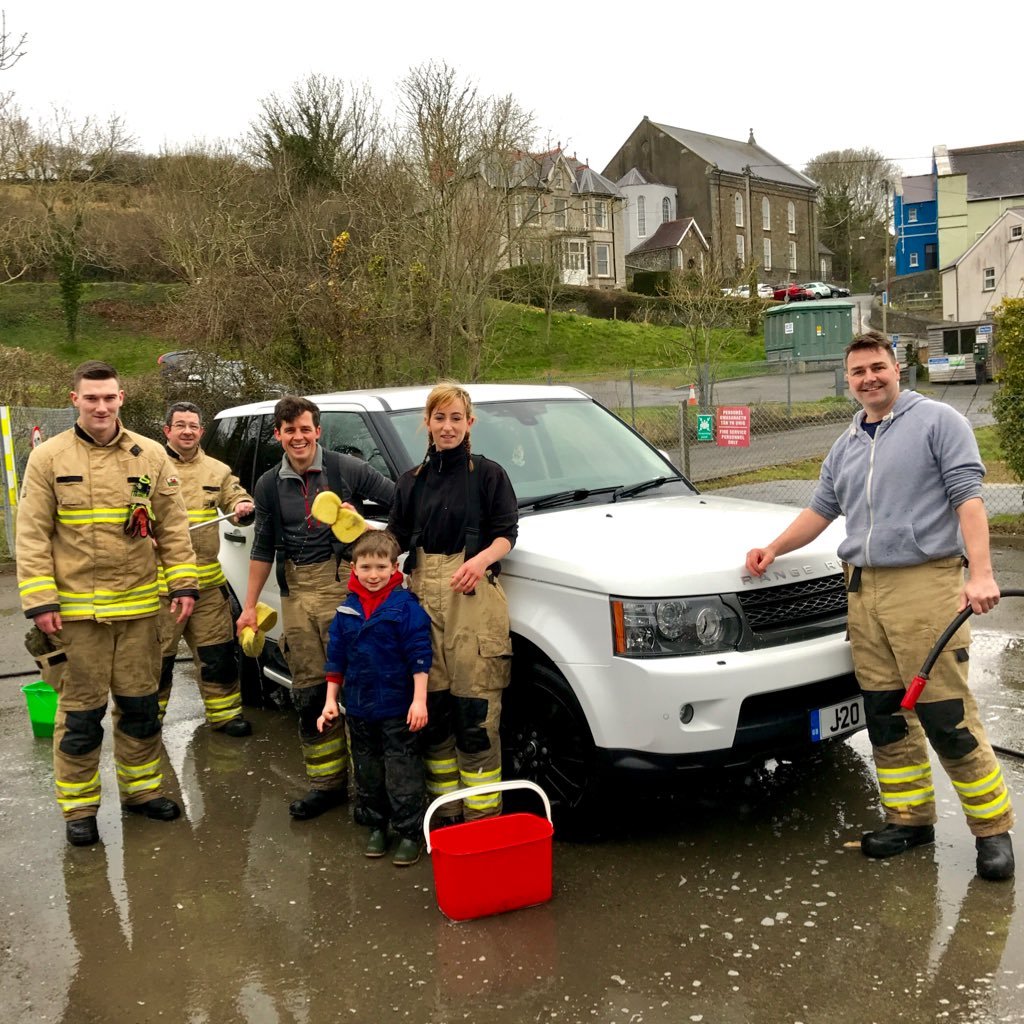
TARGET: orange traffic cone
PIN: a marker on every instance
(692, 399)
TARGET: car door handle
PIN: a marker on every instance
(235, 538)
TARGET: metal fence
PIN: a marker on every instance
(775, 420)
(21, 430)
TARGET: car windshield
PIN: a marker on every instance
(549, 447)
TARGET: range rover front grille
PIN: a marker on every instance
(794, 605)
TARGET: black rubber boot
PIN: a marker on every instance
(894, 839)
(236, 727)
(82, 832)
(159, 809)
(995, 857)
(315, 802)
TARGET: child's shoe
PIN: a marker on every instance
(407, 852)
(377, 844)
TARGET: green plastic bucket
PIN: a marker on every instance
(42, 707)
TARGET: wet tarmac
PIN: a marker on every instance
(735, 901)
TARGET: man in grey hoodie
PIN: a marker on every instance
(907, 476)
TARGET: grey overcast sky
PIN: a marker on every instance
(895, 76)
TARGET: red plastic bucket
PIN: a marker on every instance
(491, 865)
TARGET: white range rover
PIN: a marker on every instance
(641, 644)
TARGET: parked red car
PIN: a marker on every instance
(792, 292)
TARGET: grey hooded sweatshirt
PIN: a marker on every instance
(900, 491)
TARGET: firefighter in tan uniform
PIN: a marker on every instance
(907, 476)
(312, 578)
(457, 516)
(208, 489)
(100, 512)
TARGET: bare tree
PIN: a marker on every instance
(708, 318)
(62, 161)
(320, 134)
(11, 49)
(455, 149)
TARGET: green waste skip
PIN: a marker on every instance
(42, 707)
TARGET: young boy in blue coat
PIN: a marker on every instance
(379, 651)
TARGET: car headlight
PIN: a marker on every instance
(673, 626)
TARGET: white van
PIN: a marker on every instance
(641, 644)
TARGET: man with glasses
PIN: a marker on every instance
(209, 489)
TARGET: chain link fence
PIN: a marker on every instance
(760, 430)
(23, 428)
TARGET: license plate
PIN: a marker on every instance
(837, 719)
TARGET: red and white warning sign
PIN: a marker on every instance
(732, 426)
(37, 436)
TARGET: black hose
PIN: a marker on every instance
(940, 644)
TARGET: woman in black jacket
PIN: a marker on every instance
(457, 516)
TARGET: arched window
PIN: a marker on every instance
(641, 215)
(791, 218)
(766, 214)
(666, 210)
(737, 203)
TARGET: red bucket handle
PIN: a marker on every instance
(496, 787)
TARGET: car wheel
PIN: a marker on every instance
(545, 738)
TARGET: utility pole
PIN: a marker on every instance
(885, 279)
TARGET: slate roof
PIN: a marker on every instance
(992, 171)
(536, 170)
(635, 177)
(918, 188)
(734, 157)
(669, 235)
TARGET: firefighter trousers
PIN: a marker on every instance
(895, 618)
(315, 591)
(210, 635)
(471, 666)
(119, 658)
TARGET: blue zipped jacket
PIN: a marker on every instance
(377, 656)
(900, 491)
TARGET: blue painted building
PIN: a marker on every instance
(916, 221)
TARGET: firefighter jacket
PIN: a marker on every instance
(208, 488)
(73, 552)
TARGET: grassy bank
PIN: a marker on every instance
(121, 324)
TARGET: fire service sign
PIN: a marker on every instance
(732, 427)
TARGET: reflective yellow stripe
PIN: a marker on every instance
(174, 572)
(69, 803)
(438, 786)
(990, 810)
(986, 784)
(78, 787)
(202, 515)
(317, 771)
(135, 771)
(907, 774)
(211, 575)
(441, 767)
(910, 798)
(480, 778)
(35, 583)
(223, 709)
(110, 604)
(89, 516)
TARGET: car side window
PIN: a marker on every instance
(233, 441)
(268, 448)
(350, 434)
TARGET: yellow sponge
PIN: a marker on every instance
(252, 639)
(346, 524)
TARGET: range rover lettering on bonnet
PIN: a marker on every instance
(794, 572)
